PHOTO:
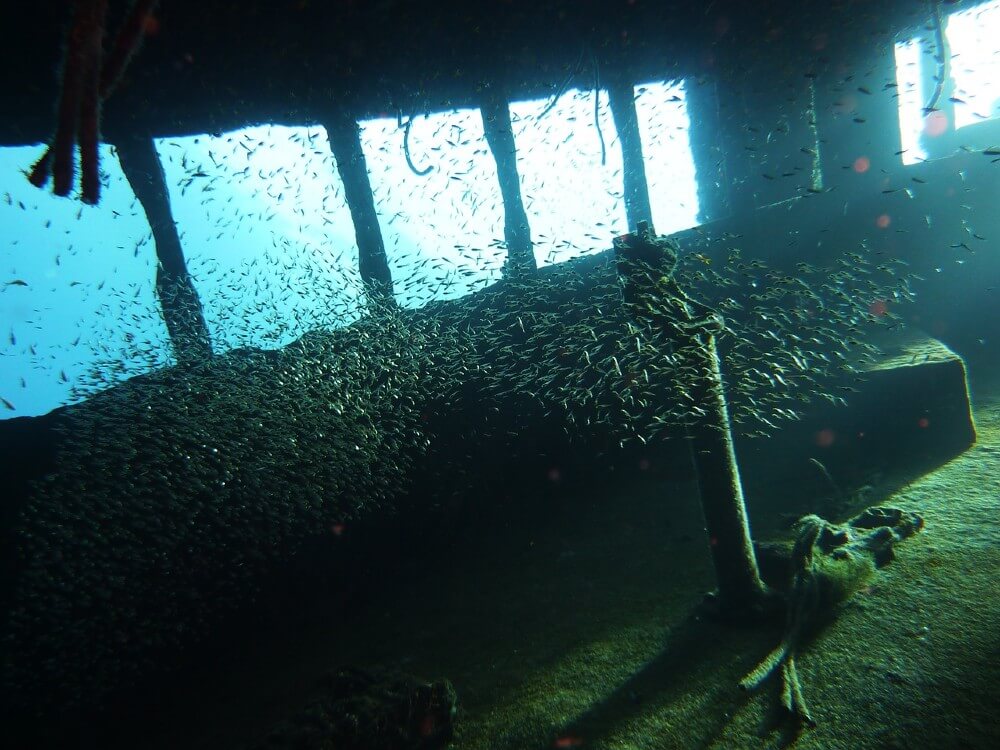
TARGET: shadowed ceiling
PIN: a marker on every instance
(220, 64)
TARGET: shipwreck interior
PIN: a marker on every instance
(536, 487)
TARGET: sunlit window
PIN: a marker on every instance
(975, 72)
(911, 116)
(270, 243)
(77, 296)
(266, 231)
(442, 228)
(573, 200)
(664, 128)
(975, 63)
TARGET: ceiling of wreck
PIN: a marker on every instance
(221, 64)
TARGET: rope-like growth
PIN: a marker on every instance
(597, 111)
(942, 59)
(563, 86)
(406, 152)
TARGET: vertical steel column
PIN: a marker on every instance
(345, 142)
(622, 99)
(500, 137)
(179, 302)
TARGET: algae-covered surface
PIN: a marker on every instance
(584, 632)
(912, 661)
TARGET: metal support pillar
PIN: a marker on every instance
(373, 265)
(622, 99)
(179, 302)
(517, 234)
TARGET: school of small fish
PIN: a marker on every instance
(176, 489)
